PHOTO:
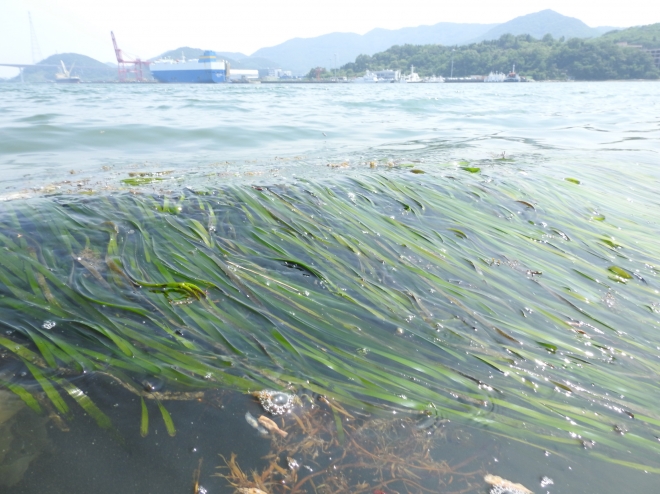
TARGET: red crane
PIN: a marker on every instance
(124, 64)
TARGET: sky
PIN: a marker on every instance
(147, 28)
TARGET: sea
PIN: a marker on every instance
(534, 208)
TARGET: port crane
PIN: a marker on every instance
(128, 64)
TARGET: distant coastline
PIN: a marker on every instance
(624, 54)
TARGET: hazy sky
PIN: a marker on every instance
(147, 28)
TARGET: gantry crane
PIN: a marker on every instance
(124, 64)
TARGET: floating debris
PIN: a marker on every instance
(275, 402)
(293, 464)
(503, 486)
(587, 443)
(254, 423)
(546, 481)
(250, 490)
(272, 426)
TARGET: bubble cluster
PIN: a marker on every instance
(275, 402)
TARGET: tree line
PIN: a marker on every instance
(544, 59)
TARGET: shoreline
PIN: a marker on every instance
(297, 81)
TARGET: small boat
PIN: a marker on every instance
(368, 77)
(65, 76)
(512, 77)
(412, 78)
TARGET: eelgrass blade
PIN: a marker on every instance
(23, 394)
(49, 389)
(167, 418)
(144, 421)
(85, 403)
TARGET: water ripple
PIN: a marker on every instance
(48, 128)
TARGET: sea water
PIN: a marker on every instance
(64, 142)
(99, 132)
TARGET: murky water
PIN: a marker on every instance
(468, 273)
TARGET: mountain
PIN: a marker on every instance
(541, 23)
(647, 36)
(179, 53)
(232, 54)
(299, 54)
(236, 60)
(84, 67)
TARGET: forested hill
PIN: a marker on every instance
(543, 59)
(647, 36)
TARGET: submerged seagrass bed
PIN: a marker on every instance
(525, 305)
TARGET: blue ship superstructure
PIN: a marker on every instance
(206, 69)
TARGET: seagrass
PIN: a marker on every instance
(482, 295)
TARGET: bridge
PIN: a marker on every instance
(21, 66)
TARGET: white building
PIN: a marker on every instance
(242, 74)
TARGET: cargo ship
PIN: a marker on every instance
(205, 69)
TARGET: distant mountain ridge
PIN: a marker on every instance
(301, 54)
(541, 23)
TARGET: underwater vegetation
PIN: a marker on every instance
(518, 301)
(327, 449)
